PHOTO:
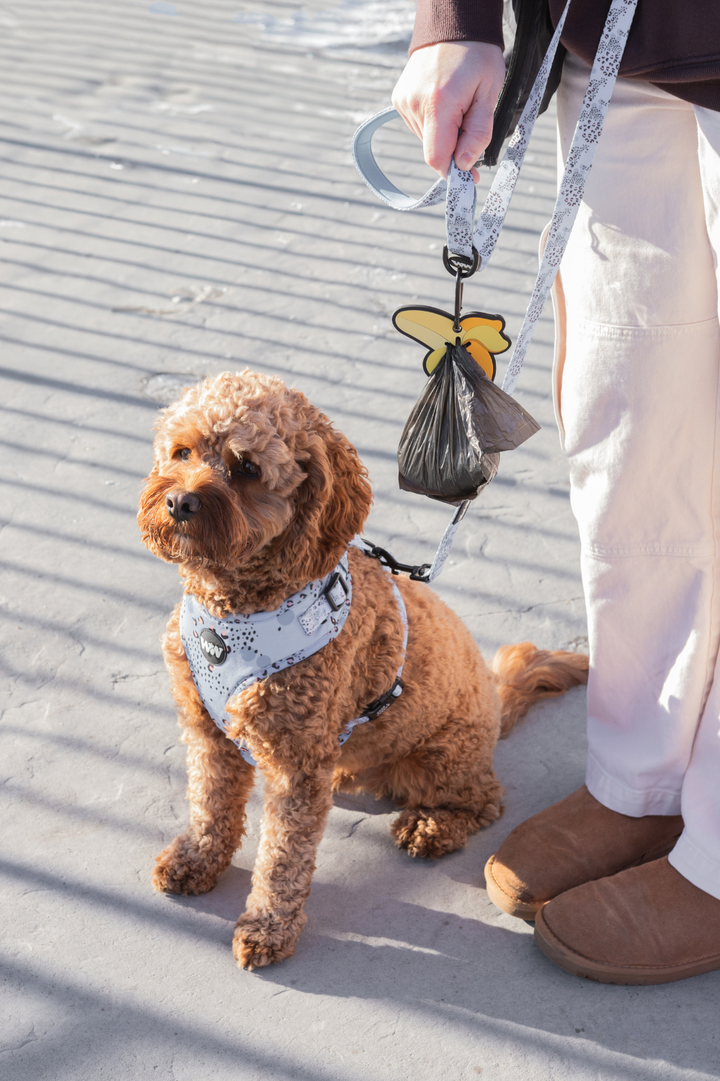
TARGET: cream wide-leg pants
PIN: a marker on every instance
(636, 385)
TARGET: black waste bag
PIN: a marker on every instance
(449, 449)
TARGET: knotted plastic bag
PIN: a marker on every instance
(449, 448)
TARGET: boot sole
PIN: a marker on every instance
(603, 972)
(528, 910)
(511, 905)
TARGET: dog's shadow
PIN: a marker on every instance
(360, 943)
(361, 936)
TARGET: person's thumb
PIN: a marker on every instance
(476, 132)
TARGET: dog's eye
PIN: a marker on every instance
(183, 454)
(246, 468)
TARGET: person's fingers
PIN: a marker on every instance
(412, 121)
(442, 122)
(477, 125)
(409, 110)
(476, 133)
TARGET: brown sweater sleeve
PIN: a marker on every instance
(457, 20)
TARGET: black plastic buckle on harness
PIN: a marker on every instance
(417, 574)
(335, 577)
(381, 704)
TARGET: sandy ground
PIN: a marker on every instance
(178, 199)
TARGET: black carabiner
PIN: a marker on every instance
(462, 267)
(457, 329)
(417, 573)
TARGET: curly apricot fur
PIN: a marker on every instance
(254, 542)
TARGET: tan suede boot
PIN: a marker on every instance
(576, 840)
(645, 925)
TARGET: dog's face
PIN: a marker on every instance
(244, 465)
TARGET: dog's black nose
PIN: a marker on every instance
(182, 505)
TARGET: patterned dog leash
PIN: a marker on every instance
(470, 246)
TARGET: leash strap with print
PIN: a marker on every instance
(473, 245)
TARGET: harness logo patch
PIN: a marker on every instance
(214, 649)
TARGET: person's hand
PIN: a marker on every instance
(448, 87)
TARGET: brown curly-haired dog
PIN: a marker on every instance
(271, 495)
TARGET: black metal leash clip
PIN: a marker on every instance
(462, 267)
(417, 574)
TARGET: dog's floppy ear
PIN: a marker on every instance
(350, 496)
(335, 497)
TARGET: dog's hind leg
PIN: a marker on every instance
(448, 788)
(219, 783)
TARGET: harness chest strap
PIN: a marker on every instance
(229, 655)
(374, 709)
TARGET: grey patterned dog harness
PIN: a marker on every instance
(228, 655)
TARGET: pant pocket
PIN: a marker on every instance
(639, 411)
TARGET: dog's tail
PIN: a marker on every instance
(525, 674)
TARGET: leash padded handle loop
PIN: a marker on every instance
(375, 178)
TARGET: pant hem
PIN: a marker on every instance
(627, 801)
(696, 866)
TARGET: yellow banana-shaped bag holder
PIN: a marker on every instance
(480, 334)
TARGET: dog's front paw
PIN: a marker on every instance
(187, 866)
(266, 939)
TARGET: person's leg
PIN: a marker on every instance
(661, 921)
(638, 401)
(636, 389)
(697, 853)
